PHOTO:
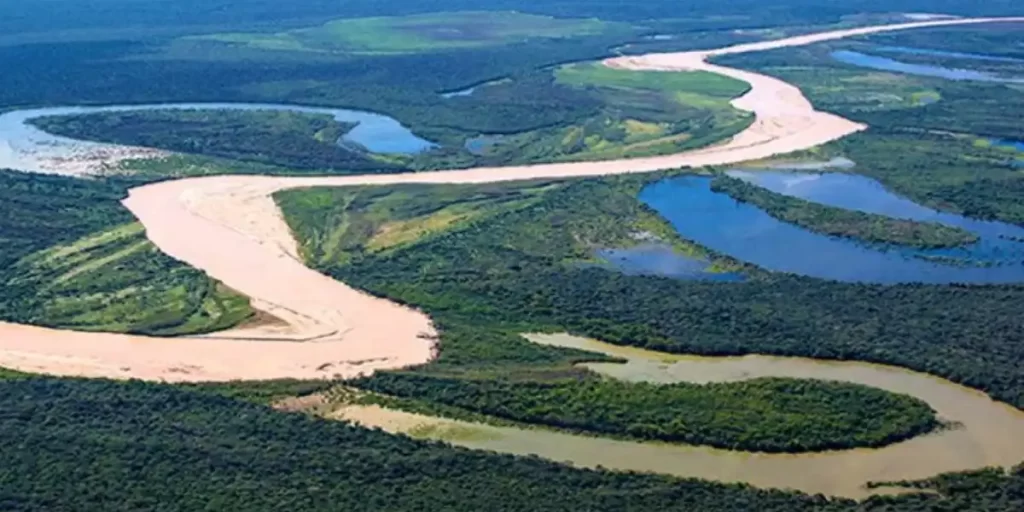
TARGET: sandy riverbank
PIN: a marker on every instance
(229, 227)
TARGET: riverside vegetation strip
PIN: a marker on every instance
(840, 222)
(249, 456)
(75, 258)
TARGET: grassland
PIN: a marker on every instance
(341, 224)
(76, 259)
(118, 281)
(636, 113)
(593, 74)
(420, 33)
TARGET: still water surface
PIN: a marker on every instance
(659, 259)
(865, 60)
(942, 53)
(749, 234)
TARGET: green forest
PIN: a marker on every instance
(292, 141)
(488, 262)
(862, 226)
(102, 445)
(764, 415)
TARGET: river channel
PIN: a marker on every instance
(987, 432)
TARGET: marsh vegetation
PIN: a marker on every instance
(75, 258)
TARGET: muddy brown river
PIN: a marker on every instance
(988, 433)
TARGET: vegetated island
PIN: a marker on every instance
(485, 371)
(762, 415)
(830, 220)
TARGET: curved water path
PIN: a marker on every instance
(869, 61)
(909, 50)
(25, 147)
(750, 234)
(229, 227)
(988, 433)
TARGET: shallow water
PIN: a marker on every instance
(886, 64)
(481, 143)
(988, 436)
(23, 145)
(1015, 144)
(660, 259)
(942, 53)
(749, 234)
(838, 162)
(461, 92)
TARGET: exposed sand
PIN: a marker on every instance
(229, 227)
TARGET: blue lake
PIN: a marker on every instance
(659, 259)
(886, 64)
(749, 234)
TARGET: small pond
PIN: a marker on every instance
(749, 234)
(659, 259)
(480, 144)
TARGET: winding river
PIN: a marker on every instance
(230, 227)
(988, 432)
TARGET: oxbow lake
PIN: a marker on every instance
(747, 233)
(22, 145)
(869, 61)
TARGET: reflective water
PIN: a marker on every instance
(659, 259)
(22, 144)
(747, 233)
(481, 143)
(886, 64)
(942, 53)
(988, 432)
(461, 92)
